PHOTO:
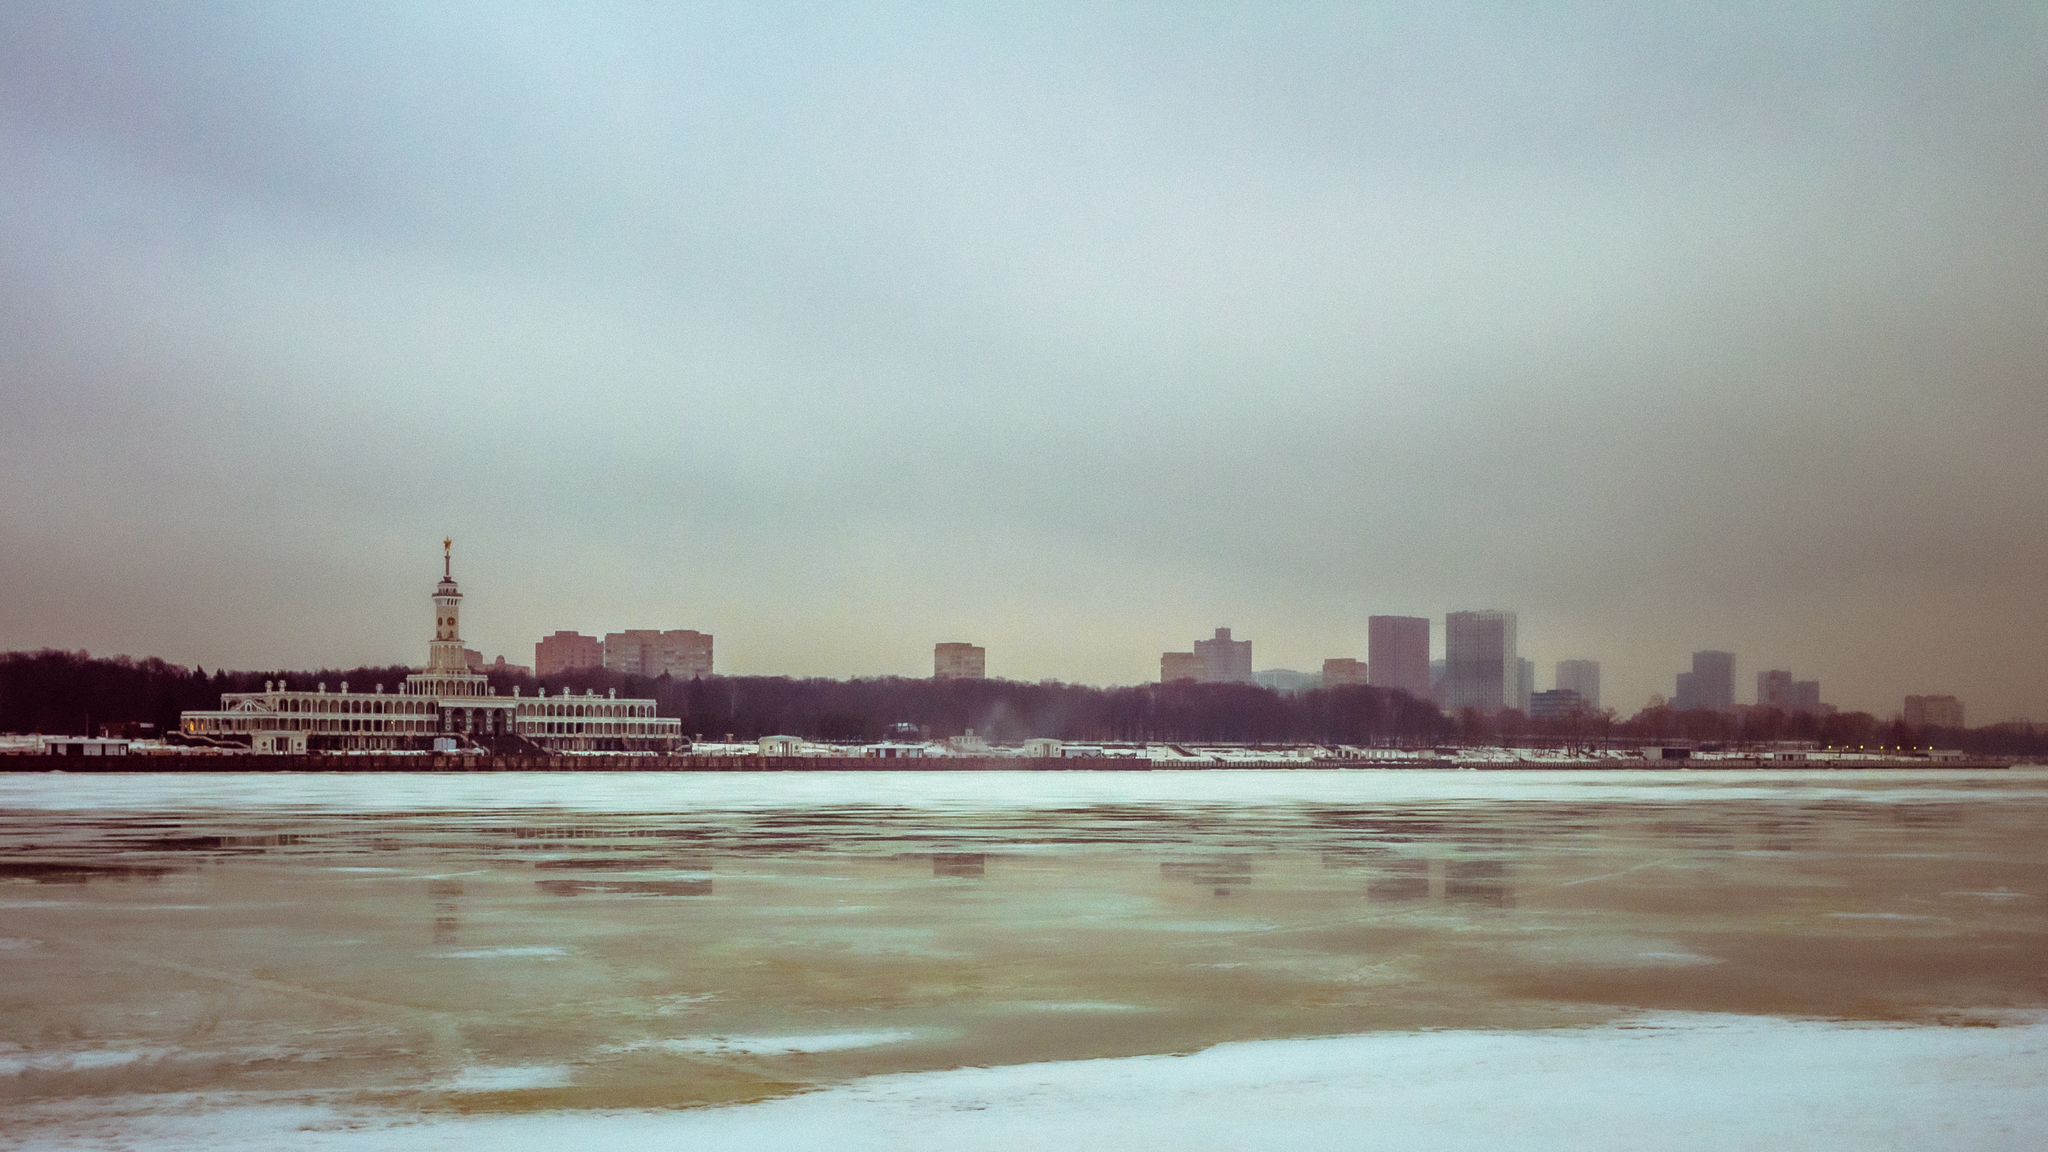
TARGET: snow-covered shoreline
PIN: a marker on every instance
(664, 791)
(1665, 1081)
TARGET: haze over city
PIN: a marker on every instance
(836, 332)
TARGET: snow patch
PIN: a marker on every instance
(510, 1078)
(1678, 1082)
(782, 1045)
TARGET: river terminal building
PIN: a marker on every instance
(445, 702)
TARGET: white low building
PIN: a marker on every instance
(443, 701)
(83, 746)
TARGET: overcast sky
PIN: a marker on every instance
(1070, 330)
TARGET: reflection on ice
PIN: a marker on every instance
(624, 887)
(72, 872)
(959, 864)
(1399, 880)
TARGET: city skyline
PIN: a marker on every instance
(839, 334)
(567, 649)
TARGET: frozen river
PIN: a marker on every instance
(968, 960)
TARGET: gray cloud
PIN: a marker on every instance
(839, 331)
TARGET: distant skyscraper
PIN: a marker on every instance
(1581, 676)
(1397, 653)
(1806, 697)
(565, 652)
(1710, 685)
(1179, 666)
(1482, 669)
(1225, 661)
(1525, 684)
(959, 662)
(1775, 688)
(680, 653)
(1344, 672)
(1934, 712)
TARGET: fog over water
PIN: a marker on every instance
(1074, 332)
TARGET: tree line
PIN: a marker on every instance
(60, 693)
(72, 693)
(1008, 711)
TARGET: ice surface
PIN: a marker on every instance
(951, 959)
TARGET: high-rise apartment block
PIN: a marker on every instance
(566, 652)
(1218, 661)
(1934, 712)
(1709, 686)
(959, 662)
(1225, 661)
(1344, 672)
(1582, 677)
(1397, 653)
(1775, 688)
(680, 653)
(1481, 667)
(1525, 684)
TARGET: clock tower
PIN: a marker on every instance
(445, 656)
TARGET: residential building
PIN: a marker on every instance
(567, 652)
(680, 653)
(1525, 684)
(1217, 661)
(1806, 697)
(1397, 653)
(1709, 686)
(1556, 704)
(1934, 712)
(1775, 688)
(959, 662)
(1582, 677)
(503, 666)
(1225, 661)
(1344, 672)
(1481, 667)
(1286, 680)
